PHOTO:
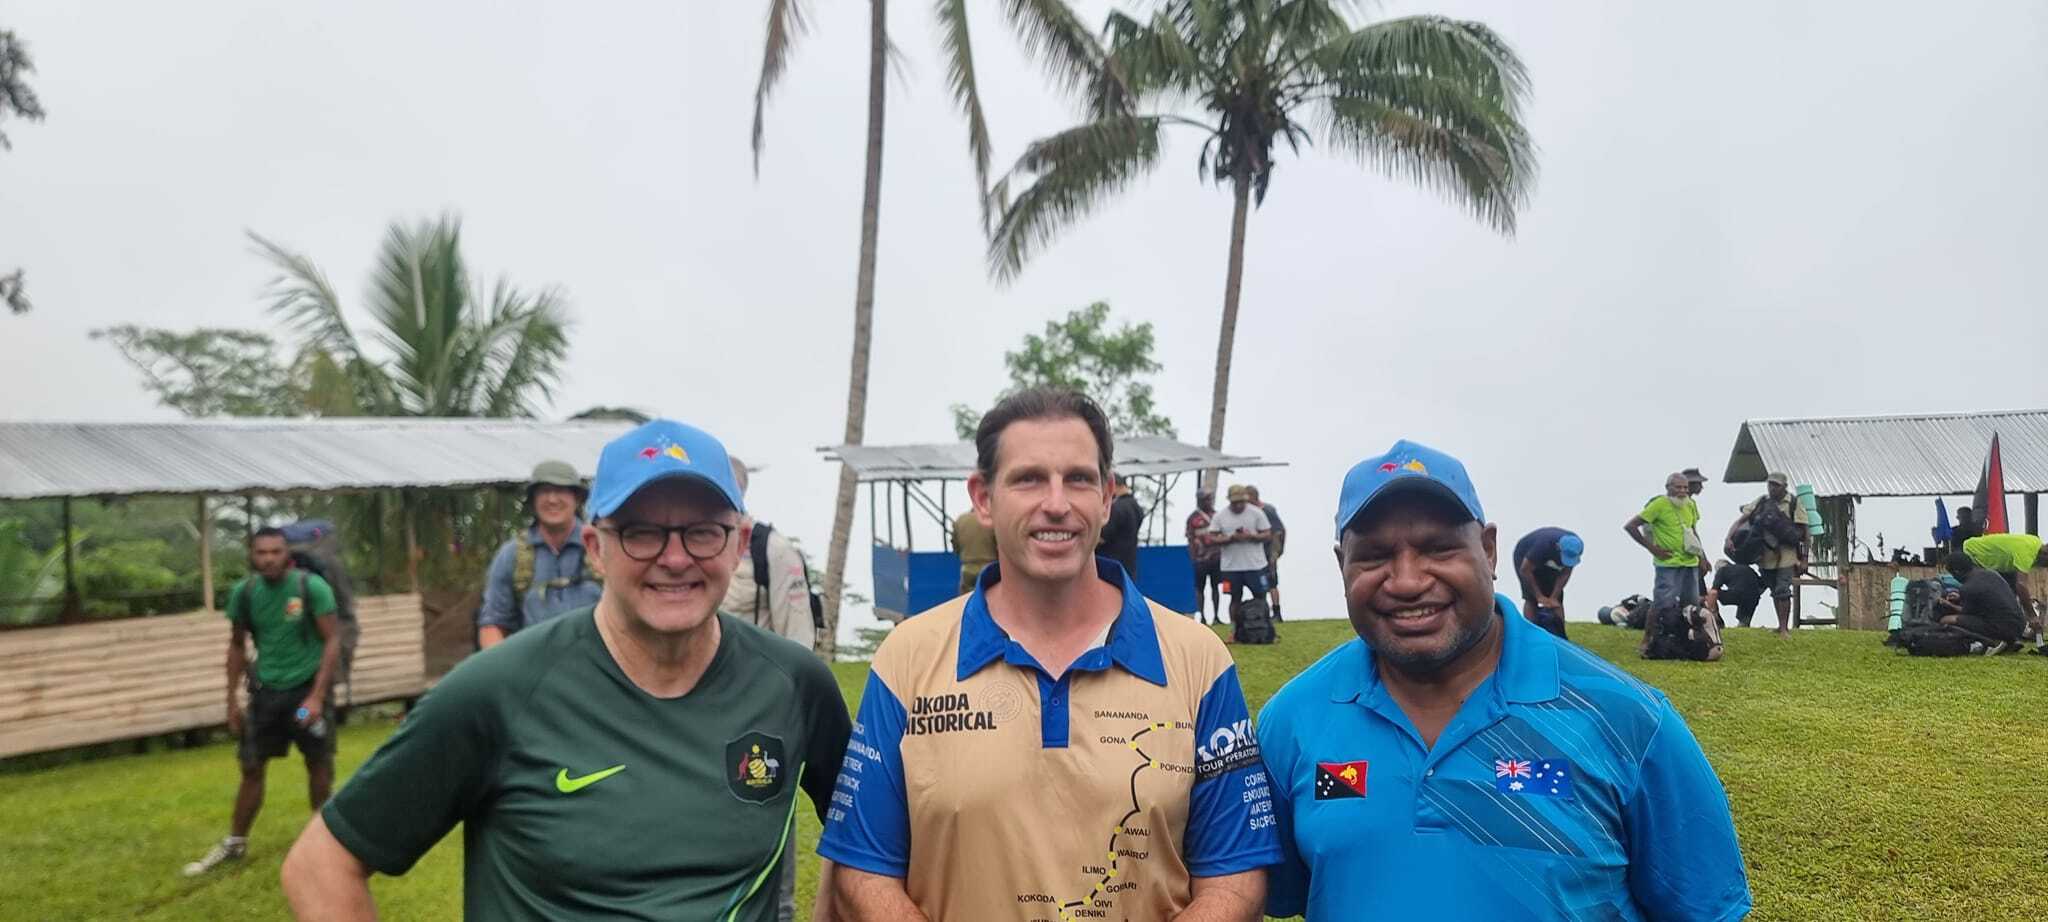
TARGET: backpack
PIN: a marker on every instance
(1629, 612)
(1933, 640)
(522, 573)
(758, 548)
(1692, 635)
(1921, 595)
(316, 548)
(1253, 623)
(1746, 545)
(1774, 523)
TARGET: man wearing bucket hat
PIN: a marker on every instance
(541, 572)
(1544, 560)
(1457, 762)
(637, 759)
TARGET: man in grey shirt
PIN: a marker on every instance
(1244, 531)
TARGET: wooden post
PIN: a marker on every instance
(205, 558)
(377, 515)
(71, 607)
(2032, 504)
(412, 542)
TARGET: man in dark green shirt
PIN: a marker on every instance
(638, 760)
(290, 614)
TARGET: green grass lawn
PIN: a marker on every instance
(1866, 786)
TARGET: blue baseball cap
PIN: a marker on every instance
(658, 450)
(1406, 466)
(1570, 548)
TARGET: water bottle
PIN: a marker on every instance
(318, 728)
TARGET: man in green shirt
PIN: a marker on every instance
(636, 760)
(290, 613)
(1662, 528)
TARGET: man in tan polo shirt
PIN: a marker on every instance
(1052, 746)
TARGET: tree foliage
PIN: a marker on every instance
(1048, 30)
(619, 414)
(1429, 99)
(1425, 98)
(31, 579)
(1081, 352)
(210, 371)
(18, 97)
(443, 347)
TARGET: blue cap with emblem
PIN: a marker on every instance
(1570, 549)
(659, 450)
(1406, 466)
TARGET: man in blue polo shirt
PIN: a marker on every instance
(1458, 762)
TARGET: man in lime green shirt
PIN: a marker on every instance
(290, 614)
(1662, 528)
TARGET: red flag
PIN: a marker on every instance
(1990, 497)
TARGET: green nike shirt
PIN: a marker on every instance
(583, 797)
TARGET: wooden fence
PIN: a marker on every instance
(79, 684)
(1865, 602)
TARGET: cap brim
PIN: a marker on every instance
(1399, 485)
(599, 510)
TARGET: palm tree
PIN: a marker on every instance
(453, 350)
(445, 349)
(1432, 100)
(1052, 33)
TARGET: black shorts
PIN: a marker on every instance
(1253, 581)
(271, 727)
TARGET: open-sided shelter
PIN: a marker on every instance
(1848, 459)
(907, 483)
(80, 682)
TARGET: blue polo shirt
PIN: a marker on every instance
(1563, 789)
(996, 790)
(562, 582)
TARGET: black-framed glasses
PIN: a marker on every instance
(701, 540)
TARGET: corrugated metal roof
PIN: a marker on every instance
(1135, 457)
(1934, 455)
(278, 456)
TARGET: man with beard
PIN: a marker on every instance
(641, 759)
(1458, 762)
(1052, 744)
(1665, 528)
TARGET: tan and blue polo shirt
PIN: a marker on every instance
(997, 791)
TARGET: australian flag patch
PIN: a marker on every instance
(1539, 777)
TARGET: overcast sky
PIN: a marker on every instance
(1744, 210)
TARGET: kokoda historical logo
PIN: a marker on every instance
(1226, 750)
(755, 767)
(951, 713)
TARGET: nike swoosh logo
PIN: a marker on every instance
(568, 785)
